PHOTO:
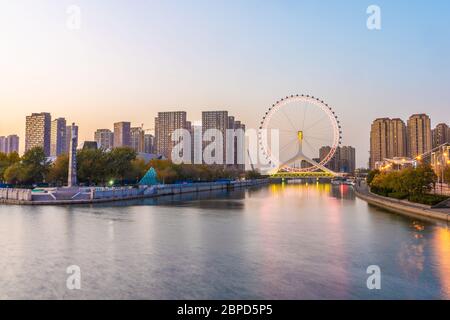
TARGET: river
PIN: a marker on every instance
(291, 241)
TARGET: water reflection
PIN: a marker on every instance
(286, 241)
(441, 245)
(221, 199)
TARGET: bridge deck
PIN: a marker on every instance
(287, 175)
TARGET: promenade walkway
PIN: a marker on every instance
(401, 206)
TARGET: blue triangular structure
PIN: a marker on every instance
(150, 178)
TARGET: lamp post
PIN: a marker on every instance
(441, 164)
(442, 167)
(445, 163)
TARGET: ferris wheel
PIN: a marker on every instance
(308, 134)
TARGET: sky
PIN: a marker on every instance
(132, 58)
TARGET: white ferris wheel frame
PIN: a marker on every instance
(333, 121)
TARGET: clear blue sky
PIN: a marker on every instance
(131, 59)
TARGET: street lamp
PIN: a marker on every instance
(441, 164)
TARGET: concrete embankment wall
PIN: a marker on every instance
(99, 195)
(15, 195)
(162, 190)
(399, 206)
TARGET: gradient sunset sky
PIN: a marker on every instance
(133, 58)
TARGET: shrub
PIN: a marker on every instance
(398, 195)
(372, 174)
(428, 199)
(381, 191)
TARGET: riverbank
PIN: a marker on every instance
(73, 196)
(401, 206)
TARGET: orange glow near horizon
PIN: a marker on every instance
(441, 246)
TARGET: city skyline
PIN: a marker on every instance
(93, 80)
(245, 151)
(393, 138)
(397, 135)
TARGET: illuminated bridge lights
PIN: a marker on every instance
(294, 175)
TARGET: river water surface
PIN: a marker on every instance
(277, 242)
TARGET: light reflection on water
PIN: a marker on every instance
(285, 241)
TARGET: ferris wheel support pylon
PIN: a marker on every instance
(302, 157)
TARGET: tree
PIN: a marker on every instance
(252, 175)
(119, 162)
(59, 170)
(426, 178)
(6, 161)
(138, 170)
(372, 175)
(167, 175)
(413, 181)
(447, 174)
(34, 166)
(93, 166)
(12, 174)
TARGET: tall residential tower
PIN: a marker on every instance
(440, 135)
(104, 138)
(58, 138)
(122, 134)
(165, 124)
(419, 135)
(38, 131)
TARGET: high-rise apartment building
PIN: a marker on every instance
(419, 135)
(379, 140)
(440, 135)
(197, 143)
(388, 139)
(137, 136)
(344, 159)
(38, 131)
(165, 124)
(217, 120)
(347, 159)
(58, 137)
(12, 144)
(2, 144)
(149, 143)
(122, 134)
(237, 147)
(397, 146)
(233, 152)
(333, 164)
(104, 138)
(69, 133)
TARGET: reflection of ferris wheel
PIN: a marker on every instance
(309, 134)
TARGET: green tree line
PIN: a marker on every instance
(413, 184)
(101, 168)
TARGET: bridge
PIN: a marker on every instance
(317, 171)
(303, 175)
